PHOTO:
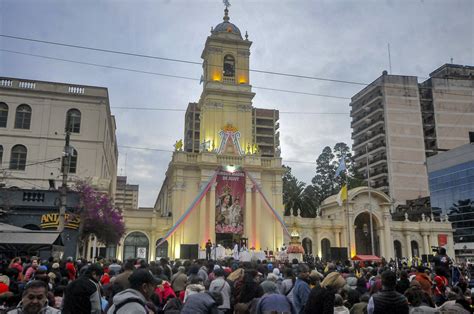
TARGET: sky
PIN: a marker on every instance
(335, 39)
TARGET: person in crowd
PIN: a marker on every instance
(34, 300)
(83, 294)
(206, 302)
(122, 278)
(423, 277)
(440, 286)
(388, 300)
(114, 267)
(221, 286)
(443, 260)
(339, 307)
(134, 299)
(361, 306)
(321, 297)
(58, 293)
(301, 289)
(195, 285)
(208, 249)
(178, 280)
(16, 264)
(71, 269)
(167, 271)
(272, 301)
(249, 290)
(30, 272)
(415, 299)
(403, 283)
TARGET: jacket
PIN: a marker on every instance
(321, 300)
(387, 302)
(301, 293)
(132, 301)
(221, 286)
(274, 302)
(82, 296)
(200, 303)
(178, 281)
(44, 310)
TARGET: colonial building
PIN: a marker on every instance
(333, 229)
(224, 182)
(33, 118)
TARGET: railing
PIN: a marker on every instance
(230, 160)
(191, 157)
(227, 79)
(76, 90)
(6, 83)
(266, 163)
(27, 85)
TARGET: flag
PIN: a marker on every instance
(342, 166)
(342, 196)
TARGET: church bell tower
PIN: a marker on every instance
(226, 99)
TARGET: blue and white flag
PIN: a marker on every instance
(342, 166)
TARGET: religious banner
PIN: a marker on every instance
(230, 202)
(442, 240)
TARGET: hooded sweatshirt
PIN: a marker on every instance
(125, 297)
(199, 303)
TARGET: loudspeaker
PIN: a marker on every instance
(338, 253)
(425, 258)
(189, 251)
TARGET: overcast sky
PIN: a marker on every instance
(342, 40)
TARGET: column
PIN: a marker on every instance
(426, 246)
(248, 215)
(337, 236)
(211, 198)
(408, 245)
(351, 238)
(203, 222)
(317, 239)
(389, 253)
(258, 221)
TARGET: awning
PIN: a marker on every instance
(366, 258)
(30, 237)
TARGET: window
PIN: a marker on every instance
(1, 155)
(23, 117)
(18, 158)
(229, 66)
(136, 246)
(73, 121)
(3, 115)
(72, 161)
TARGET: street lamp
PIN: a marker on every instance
(370, 200)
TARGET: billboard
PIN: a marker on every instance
(230, 202)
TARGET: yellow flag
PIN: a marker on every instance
(342, 196)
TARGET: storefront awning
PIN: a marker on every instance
(366, 258)
(30, 237)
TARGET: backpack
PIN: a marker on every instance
(131, 300)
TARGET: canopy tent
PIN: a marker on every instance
(366, 258)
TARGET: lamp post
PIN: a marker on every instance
(370, 201)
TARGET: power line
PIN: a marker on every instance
(37, 163)
(174, 60)
(161, 74)
(171, 151)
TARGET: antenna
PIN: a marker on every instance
(389, 59)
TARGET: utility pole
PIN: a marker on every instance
(63, 191)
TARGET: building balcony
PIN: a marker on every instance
(374, 116)
(363, 130)
(361, 143)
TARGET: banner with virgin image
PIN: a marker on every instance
(230, 202)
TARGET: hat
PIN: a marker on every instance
(55, 265)
(42, 268)
(270, 266)
(269, 287)
(4, 279)
(276, 271)
(352, 282)
(141, 276)
(333, 280)
(316, 274)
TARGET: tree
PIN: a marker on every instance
(99, 216)
(292, 193)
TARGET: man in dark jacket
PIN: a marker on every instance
(83, 295)
(204, 302)
(388, 300)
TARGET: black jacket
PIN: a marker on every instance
(390, 301)
(320, 301)
(82, 296)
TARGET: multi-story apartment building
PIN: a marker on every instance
(126, 195)
(397, 123)
(33, 118)
(265, 131)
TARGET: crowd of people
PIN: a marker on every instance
(229, 286)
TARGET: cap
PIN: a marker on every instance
(141, 276)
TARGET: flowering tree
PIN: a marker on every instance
(99, 216)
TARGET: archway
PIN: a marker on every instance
(397, 246)
(136, 246)
(325, 249)
(162, 250)
(308, 246)
(362, 235)
(415, 251)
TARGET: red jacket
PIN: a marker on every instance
(71, 270)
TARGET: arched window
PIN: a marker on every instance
(18, 157)
(136, 246)
(73, 121)
(162, 250)
(397, 246)
(414, 249)
(308, 246)
(326, 249)
(23, 117)
(3, 115)
(229, 66)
